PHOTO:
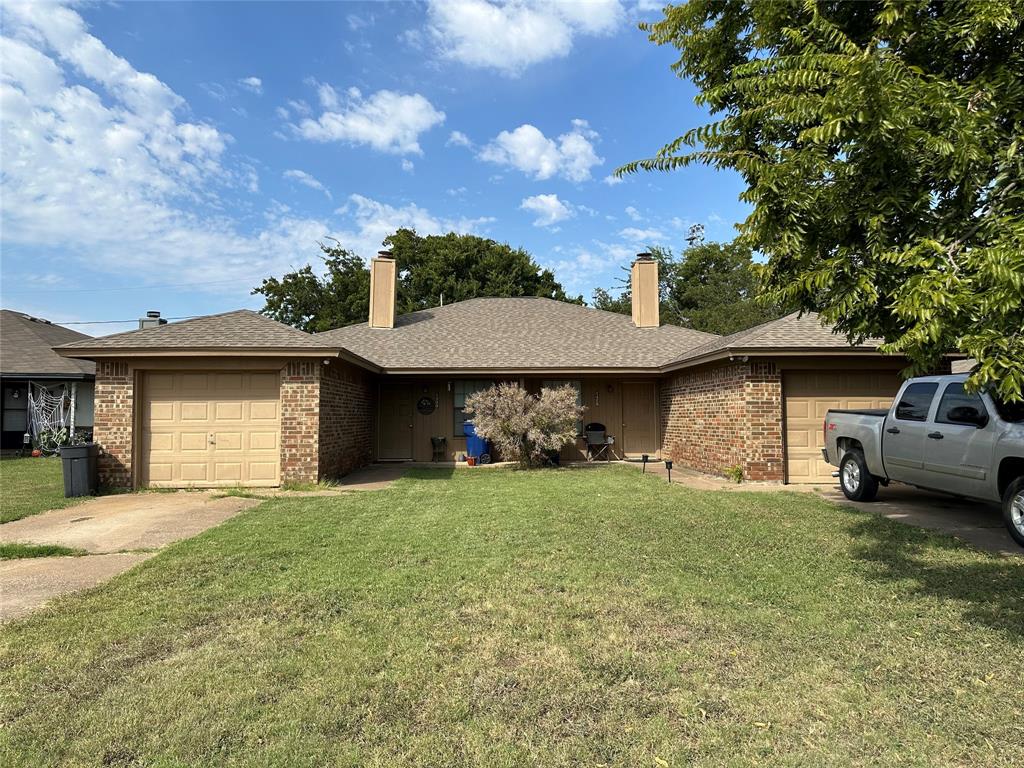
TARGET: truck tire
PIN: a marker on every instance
(854, 478)
(1013, 510)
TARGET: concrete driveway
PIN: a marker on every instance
(976, 523)
(118, 532)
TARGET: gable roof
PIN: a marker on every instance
(510, 334)
(240, 332)
(26, 348)
(792, 333)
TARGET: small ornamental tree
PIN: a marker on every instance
(524, 427)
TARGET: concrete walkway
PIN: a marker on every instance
(977, 523)
(118, 532)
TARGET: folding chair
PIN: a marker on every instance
(438, 447)
(598, 442)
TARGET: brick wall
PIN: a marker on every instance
(113, 403)
(347, 406)
(300, 421)
(721, 416)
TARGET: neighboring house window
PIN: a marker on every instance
(461, 390)
(575, 384)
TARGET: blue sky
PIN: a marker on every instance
(170, 155)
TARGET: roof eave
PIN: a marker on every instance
(43, 375)
(92, 353)
(729, 352)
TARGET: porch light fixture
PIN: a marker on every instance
(668, 466)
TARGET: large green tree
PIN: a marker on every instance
(711, 287)
(431, 269)
(880, 143)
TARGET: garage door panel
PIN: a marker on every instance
(228, 411)
(193, 441)
(808, 397)
(209, 429)
(263, 441)
(263, 411)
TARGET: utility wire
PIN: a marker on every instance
(133, 320)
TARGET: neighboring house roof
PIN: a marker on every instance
(26, 348)
(792, 333)
(240, 332)
(511, 334)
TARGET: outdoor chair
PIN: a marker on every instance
(439, 447)
(599, 442)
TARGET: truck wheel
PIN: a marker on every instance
(1013, 510)
(855, 479)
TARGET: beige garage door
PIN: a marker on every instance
(204, 430)
(808, 395)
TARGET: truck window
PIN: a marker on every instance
(1011, 412)
(957, 406)
(915, 401)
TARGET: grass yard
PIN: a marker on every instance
(18, 551)
(29, 486)
(556, 618)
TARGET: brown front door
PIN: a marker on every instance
(639, 418)
(394, 438)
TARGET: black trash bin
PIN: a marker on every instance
(79, 465)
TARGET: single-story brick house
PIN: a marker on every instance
(28, 363)
(238, 398)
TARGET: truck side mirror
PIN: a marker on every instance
(968, 414)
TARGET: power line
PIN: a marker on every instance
(105, 322)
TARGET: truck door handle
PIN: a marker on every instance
(935, 435)
(893, 430)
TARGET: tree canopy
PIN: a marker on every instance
(712, 287)
(880, 143)
(453, 267)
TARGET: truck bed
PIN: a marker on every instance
(880, 412)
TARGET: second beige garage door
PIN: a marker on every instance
(204, 430)
(808, 395)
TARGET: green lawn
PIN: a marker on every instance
(500, 618)
(30, 486)
(18, 551)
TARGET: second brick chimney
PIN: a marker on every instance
(643, 286)
(382, 290)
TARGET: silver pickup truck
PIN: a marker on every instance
(937, 436)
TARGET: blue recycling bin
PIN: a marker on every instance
(476, 446)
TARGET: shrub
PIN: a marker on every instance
(523, 427)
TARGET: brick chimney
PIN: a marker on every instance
(643, 286)
(151, 320)
(382, 291)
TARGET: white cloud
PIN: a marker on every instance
(407, 165)
(611, 180)
(371, 221)
(580, 269)
(548, 209)
(635, 235)
(100, 171)
(458, 139)
(633, 213)
(527, 149)
(387, 121)
(252, 84)
(307, 180)
(511, 36)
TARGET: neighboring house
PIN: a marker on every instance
(238, 398)
(27, 356)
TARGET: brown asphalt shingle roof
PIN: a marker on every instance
(792, 332)
(26, 348)
(513, 334)
(241, 329)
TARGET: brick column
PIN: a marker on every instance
(763, 457)
(300, 421)
(114, 404)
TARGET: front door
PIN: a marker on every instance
(639, 418)
(959, 448)
(903, 442)
(394, 435)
